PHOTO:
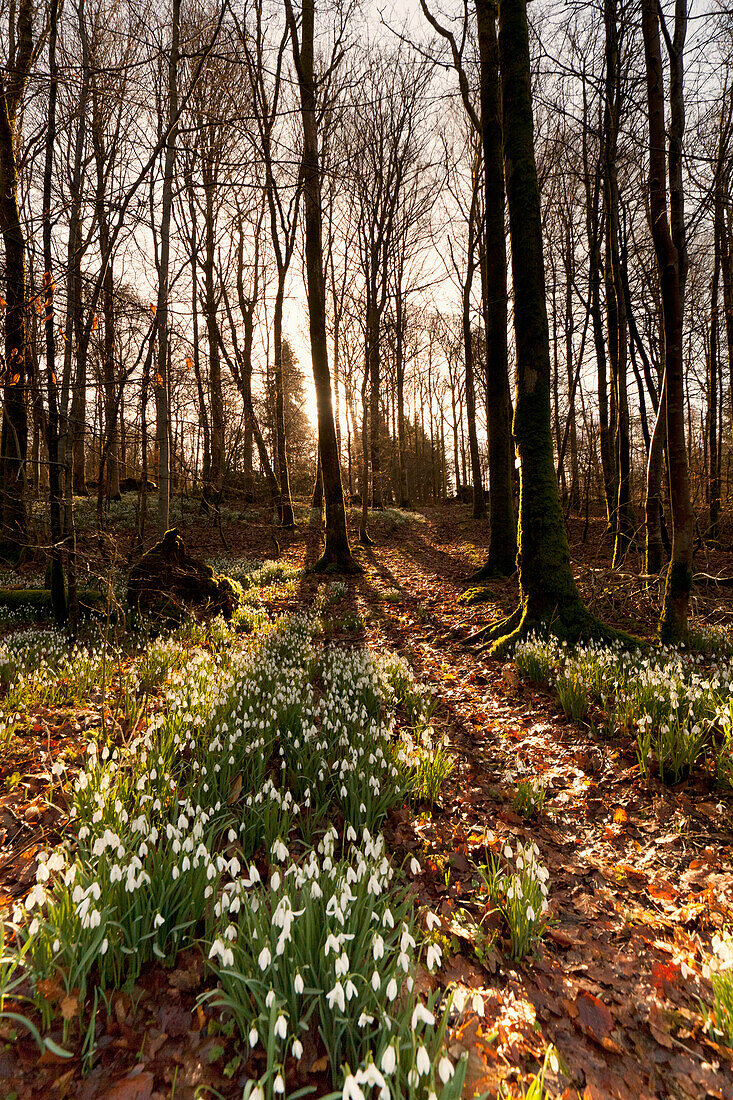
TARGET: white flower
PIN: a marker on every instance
(298, 984)
(377, 946)
(376, 981)
(278, 1084)
(435, 956)
(388, 1059)
(158, 920)
(422, 1015)
(415, 867)
(445, 1069)
(508, 853)
(281, 1026)
(337, 996)
(297, 1049)
(371, 1076)
(478, 1004)
(352, 1091)
(391, 990)
(432, 920)
(422, 1061)
(264, 958)
(253, 1036)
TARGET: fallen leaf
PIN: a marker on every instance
(595, 1017)
(133, 1087)
(664, 977)
(320, 1065)
(70, 1006)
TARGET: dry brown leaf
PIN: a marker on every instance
(70, 1006)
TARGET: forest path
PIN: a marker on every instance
(640, 876)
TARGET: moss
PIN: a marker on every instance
(480, 594)
(673, 627)
(91, 601)
(573, 623)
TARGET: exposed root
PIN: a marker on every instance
(574, 625)
(341, 563)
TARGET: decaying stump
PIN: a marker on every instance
(167, 581)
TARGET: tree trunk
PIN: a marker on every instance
(502, 555)
(671, 266)
(286, 505)
(549, 598)
(162, 380)
(479, 501)
(215, 394)
(14, 435)
(337, 552)
(58, 589)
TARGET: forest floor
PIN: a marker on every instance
(641, 873)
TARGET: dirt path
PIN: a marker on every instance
(640, 876)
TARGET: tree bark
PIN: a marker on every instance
(501, 560)
(671, 265)
(337, 552)
(549, 598)
(162, 380)
(14, 436)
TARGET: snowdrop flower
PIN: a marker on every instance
(432, 920)
(445, 1069)
(278, 1085)
(371, 1076)
(352, 1090)
(270, 998)
(435, 956)
(337, 996)
(391, 990)
(415, 867)
(298, 984)
(477, 1004)
(389, 1059)
(422, 1015)
(376, 981)
(253, 1036)
(377, 946)
(264, 958)
(158, 920)
(508, 853)
(281, 1026)
(422, 1061)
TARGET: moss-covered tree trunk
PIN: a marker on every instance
(549, 598)
(337, 554)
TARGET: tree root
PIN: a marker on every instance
(575, 624)
(342, 563)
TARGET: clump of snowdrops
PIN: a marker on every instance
(719, 969)
(676, 703)
(246, 761)
(517, 887)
